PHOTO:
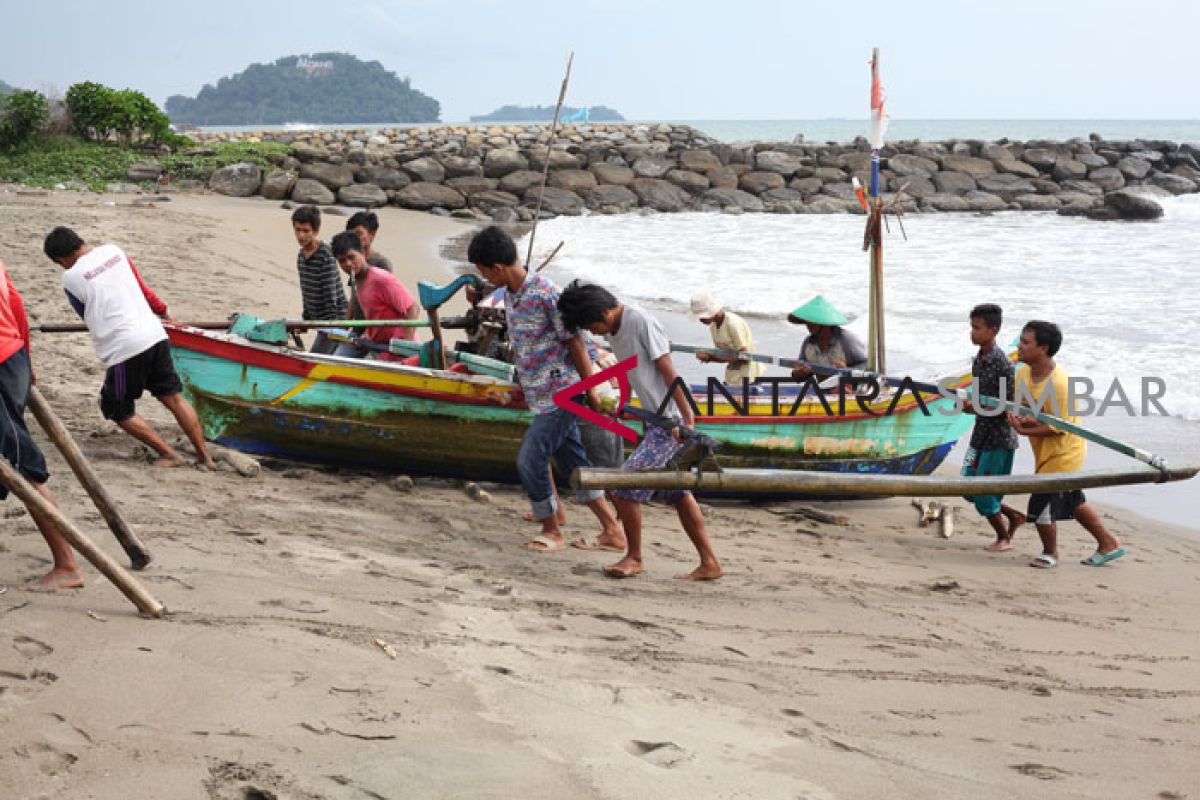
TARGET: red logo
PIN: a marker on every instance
(563, 398)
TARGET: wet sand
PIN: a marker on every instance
(868, 659)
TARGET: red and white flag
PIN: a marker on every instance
(879, 118)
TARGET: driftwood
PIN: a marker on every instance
(243, 464)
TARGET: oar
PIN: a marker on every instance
(291, 324)
(1146, 457)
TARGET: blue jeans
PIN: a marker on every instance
(554, 434)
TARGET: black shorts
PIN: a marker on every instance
(15, 443)
(151, 370)
(1048, 508)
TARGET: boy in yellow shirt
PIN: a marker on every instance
(1043, 382)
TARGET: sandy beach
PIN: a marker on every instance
(860, 660)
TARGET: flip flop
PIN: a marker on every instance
(1098, 559)
(593, 543)
(547, 545)
(1043, 561)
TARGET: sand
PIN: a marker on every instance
(871, 659)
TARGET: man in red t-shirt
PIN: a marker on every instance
(16, 377)
(378, 294)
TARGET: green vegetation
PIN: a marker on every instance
(546, 114)
(53, 160)
(324, 88)
(22, 116)
(99, 113)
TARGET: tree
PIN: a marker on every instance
(22, 116)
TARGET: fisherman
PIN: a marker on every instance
(633, 333)
(547, 358)
(827, 343)
(320, 287)
(993, 440)
(1042, 382)
(729, 332)
(122, 314)
(379, 295)
(16, 445)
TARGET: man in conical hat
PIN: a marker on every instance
(827, 343)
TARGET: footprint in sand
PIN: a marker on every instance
(31, 648)
(667, 755)
(48, 758)
(1040, 771)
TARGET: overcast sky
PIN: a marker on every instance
(652, 59)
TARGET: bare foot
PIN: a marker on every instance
(704, 572)
(625, 568)
(560, 516)
(208, 464)
(54, 580)
(999, 546)
(167, 462)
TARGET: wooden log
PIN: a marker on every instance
(34, 501)
(766, 481)
(243, 464)
(139, 556)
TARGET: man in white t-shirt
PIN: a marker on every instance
(122, 315)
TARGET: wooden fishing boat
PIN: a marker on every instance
(276, 401)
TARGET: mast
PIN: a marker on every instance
(873, 241)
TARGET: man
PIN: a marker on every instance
(729, 332)
(827, 342)
(632, 332)
(1041, 381)
(16, 376)
(320, 286)
(380, 294)
(122, 315)
(548, 358)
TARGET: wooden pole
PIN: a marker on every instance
(562, 95)
(782, 481)
(139, 556)
(290, 324)
(34, 501)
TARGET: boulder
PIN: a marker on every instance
(1153, 156)
(1107, 178)
(1006, 185)
(385, 178)
(144, 171)
(424, 195)
(1042, 158)
(905, 165)
(1037, 202)
(488, 201)
(968, 165)
(559, 159)
(996, 152)
(1129, 204)
(278, 185)
(782, 163)
(1014, 167)
(1102, 213)
(1091, 160)
(1076, 205)
(806, 186)
(471, 185)
(307, 191)
(693, 182)
(612, 174)
(982, 201)
(506, 215)
(782, 200)
(362, 195)
(520, 181)
(579, 181)
(758, 182)
(699, 160)
(1134, 168)
(953, 182)
(725, 198)
(942, 201)
(651, 167)
(308, 153)
(503, 160)
(659, 194)
(611, 199)
(723, 177)
(332, 176)
(1175, 184)
(424, 169)
(459, 167)
(559, 202)
(914, 185)
(823, 204)
(842, 191)
(237, 180)
(1046, 186)
(830, 174)
(1066, 169)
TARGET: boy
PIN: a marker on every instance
(1055, 450)
(633, 332)
(366, 225)
(548, 358)
(380, 294)
(320, 287)
(122, 315)
(16, 376)
(993, 440)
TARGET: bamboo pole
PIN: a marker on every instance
(139, 556)
(37, 504)
(290, 324)
(537, 215)
(766, 481)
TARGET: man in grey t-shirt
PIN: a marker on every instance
(632, 333)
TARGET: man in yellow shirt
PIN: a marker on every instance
(1043, 384)
(729, 332)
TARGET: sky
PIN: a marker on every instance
(651, 59)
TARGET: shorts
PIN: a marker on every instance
(151, 370)
(16, 445)
(1051, 507)
(604, 448)
(656, 450)
(987, 462)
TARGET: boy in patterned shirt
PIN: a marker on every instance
(548, 358)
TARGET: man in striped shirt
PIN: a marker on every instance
(320, 283)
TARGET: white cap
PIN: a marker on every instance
(705, 306)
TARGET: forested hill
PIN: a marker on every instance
(323, 88)
(6, 89)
